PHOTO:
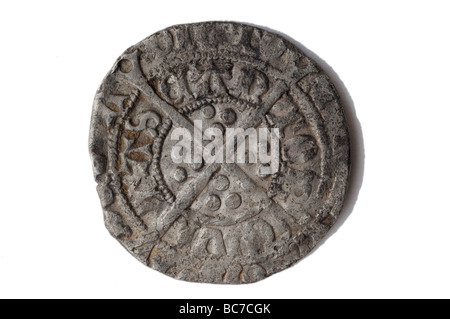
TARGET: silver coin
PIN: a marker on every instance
(209, 221)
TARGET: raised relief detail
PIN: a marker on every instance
(218, 222)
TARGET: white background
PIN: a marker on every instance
(392, 61)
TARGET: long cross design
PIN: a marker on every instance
(193, 189)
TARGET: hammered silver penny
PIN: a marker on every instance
(218, 223)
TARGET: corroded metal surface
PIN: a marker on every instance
(218, 223)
